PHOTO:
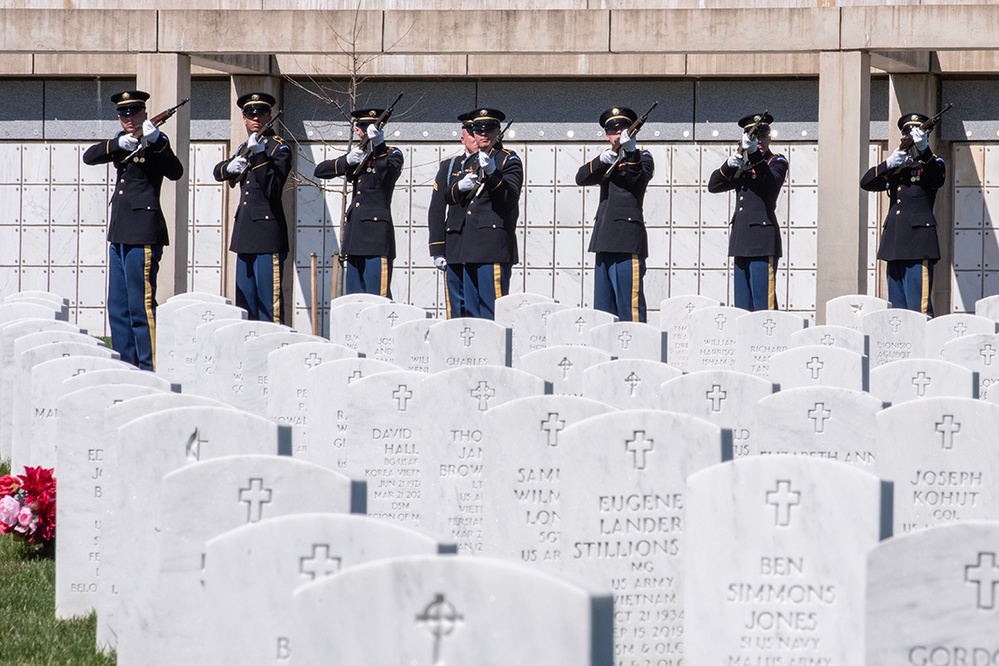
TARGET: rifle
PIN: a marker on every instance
(363, 143)
(157, 120)
(754, 129)
(244, 149)
(906, 142)
(474, 192)
(632, 132)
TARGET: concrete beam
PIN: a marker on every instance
(494, 32)
(920, 27)
(379, 64)
(844, 136)
(82, 31)
(252, 31)
(751, 64)
(902, 62)
(248, 64)
(568, 65)
(968, 62)
(724, 30)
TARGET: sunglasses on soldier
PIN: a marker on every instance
(130, 110)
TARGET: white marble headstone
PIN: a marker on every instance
(850, 309)
(942, 455)
(760, 335)
(943, 329)
(723, 397)
(713, 338)
(229, 492)
(345, 325)
(895, 334)
(931, 597)
(412, 345)
(630, 339)
(978, 352)
(988, 307)
(451, 461)
(830, 335)
(674, 320)
(628, 383)
(775, 559)
(821, 421)
(563, 366)
(520, 515)
(623, 516)
(506, 305)
(176, 345)
(530, 327)
(462, 342)
(236, 370)
(916, 378)
(378, 328)
(452, 610)
(571, 327)
(251, 571)
(818, 365)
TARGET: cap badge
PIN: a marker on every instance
(615, 111)
(372, 113)
(125, 96)
(483, 112)
(255, 98)
(914, 117)
(756, 119)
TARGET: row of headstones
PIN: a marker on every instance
(94, 455)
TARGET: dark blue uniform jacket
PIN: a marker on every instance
(620, 223)
(754, 220)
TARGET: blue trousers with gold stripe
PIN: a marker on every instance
(619, 285)
(454, 291)
(755, 286)
(910, 284)
(481, 285)
(368, 275)
(132, 273)
(258, 286)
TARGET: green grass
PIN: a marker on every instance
(30, 634)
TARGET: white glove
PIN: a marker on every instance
(236, 165)
(896, 159)
(127, 142)
(150, 132)
(735, 160)
(440, 262)
(486, 163)
(355, 156)
(749, 145)
(467, 184)
(375, 135)
(919, 139)
(627, 143)
(608, 157)
(254, 145)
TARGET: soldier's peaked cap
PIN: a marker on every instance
(765, 119)
(486, 118)
(366, 116)
(617, 115)
(256, 100)
(127, 97)
(911, 120)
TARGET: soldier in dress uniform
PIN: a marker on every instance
(260, 231)
(445, 221)
(369, 237)
(909, 240)
(756, 175)
(137, 230)
(619, 237)
(488, 196)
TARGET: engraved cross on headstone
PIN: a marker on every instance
(921, 381)
(208, 316)
(633, 381)
(482, 393)
(355, 375)
(638, 447)
(401, 396)
(581, 323)
(815, 365)
(987, 353)
(466, 335)
(689, 307)
(249, 336)
(783, 499)
(720, 320)
(624, 339)
(819, 414)
(769, 326)
(79, 371)
(947, 429)
(960, 328)
(552, 426)
(393, 317)
(566, 365)
(254, 496)
(985, 574)
(716, 395)
(894, 323)
(193, 449)
(828, 340)
(313, 360)
(319, 564)
(441, 619)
